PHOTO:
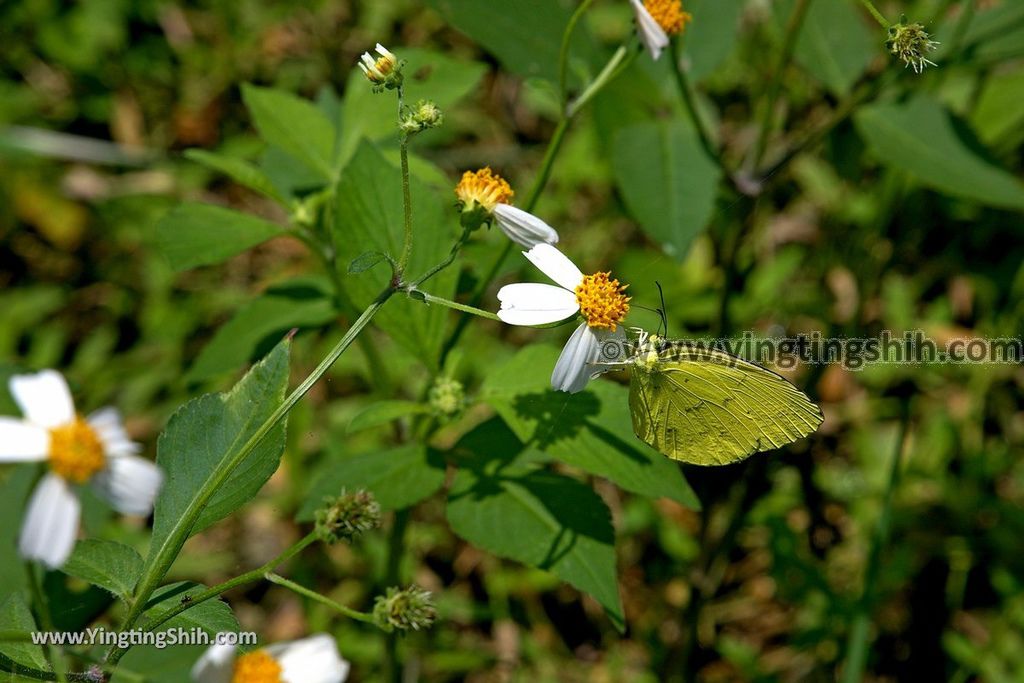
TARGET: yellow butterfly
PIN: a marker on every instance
(707, 407)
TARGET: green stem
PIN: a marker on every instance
(859, 639)
(165, 555)
(216, 591)
(403, 260)
(443, 264)
(621, 59)
(431, 299)
(793, 26)
(313, 595)
(563, 54)
(392, 571)
(686, 94)
(882, 21)
(42, 605)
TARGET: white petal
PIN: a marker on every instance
(217, 665)
(110, 429)
(524, 228)
(22, 441)
(310, 660)
(44, 398)
(51, 523)
(130, 483)
(555, 265)
(573, 369)
(535, 304)
(652, 35)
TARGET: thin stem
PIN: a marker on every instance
(796, 21)
(165, 555)
(683, 84)
(619, 61)
(544, 174)
(443, 264)
(42, 605)
(313, 595)
(563, 54)
(396, 543)
(882, 21)
(403, 260)
(215, 591)
(431, 299)
(859, 639)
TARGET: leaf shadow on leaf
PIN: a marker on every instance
(559, 417)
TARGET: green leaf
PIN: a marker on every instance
(294, 125)
(919, 137)
(525, 35)
(206, 432)
(429, 75)
(667, 181)
(591, 430)
(212, 616)
(398, 478)
(382, 412)
(16, 616)
(365, 261)
(299, 303)
(541, 519)
(193, 235)
(370, 217)
(239, 170)
(835, 44)
(712, 34)
(107, 564)
(15, 486)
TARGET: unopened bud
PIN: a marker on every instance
(405, 609)
(423, 116)
(447, 396)
(348, 516)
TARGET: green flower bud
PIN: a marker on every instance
(404, 609)
(910, 42)
(447, 396)
(423, 116)
(348, 516)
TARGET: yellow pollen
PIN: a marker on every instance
(76, 452)
(484, 188)
(385, 64)
(256, 667)
(602, 301)
(669, 14)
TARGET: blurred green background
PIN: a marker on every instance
(905, 214)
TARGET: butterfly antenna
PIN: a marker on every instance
(663, 311)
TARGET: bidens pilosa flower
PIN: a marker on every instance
(910, 42)
(385, 72)
(656, 20)
(94, 450)
(600, 299)
(310, 660)
(483, 195)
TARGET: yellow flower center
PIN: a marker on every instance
(669, 14)
(76, 452)
(602, 301)
(484, 188)
(385, 64)
(256, 667)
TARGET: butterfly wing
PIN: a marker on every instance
(707, 407)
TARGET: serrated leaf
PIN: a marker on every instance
(398, 478)
(666, 180)
(107, 564)
(193, 234)
(205, 433)
(365, 262)
(591, 430)
(294, 125)
(239, 170)
(919, 137)
(370, 216)
(382, 412)
(539, 518)
(296, 304)
(16, 616)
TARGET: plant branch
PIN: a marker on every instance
(42, 605)
(313, 595)
(686, 94)
(882, 21)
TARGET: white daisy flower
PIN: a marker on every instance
(598, 298)
(95, 449)
(483, 195)
(380, 69)
(656, 20)
(310, 660)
